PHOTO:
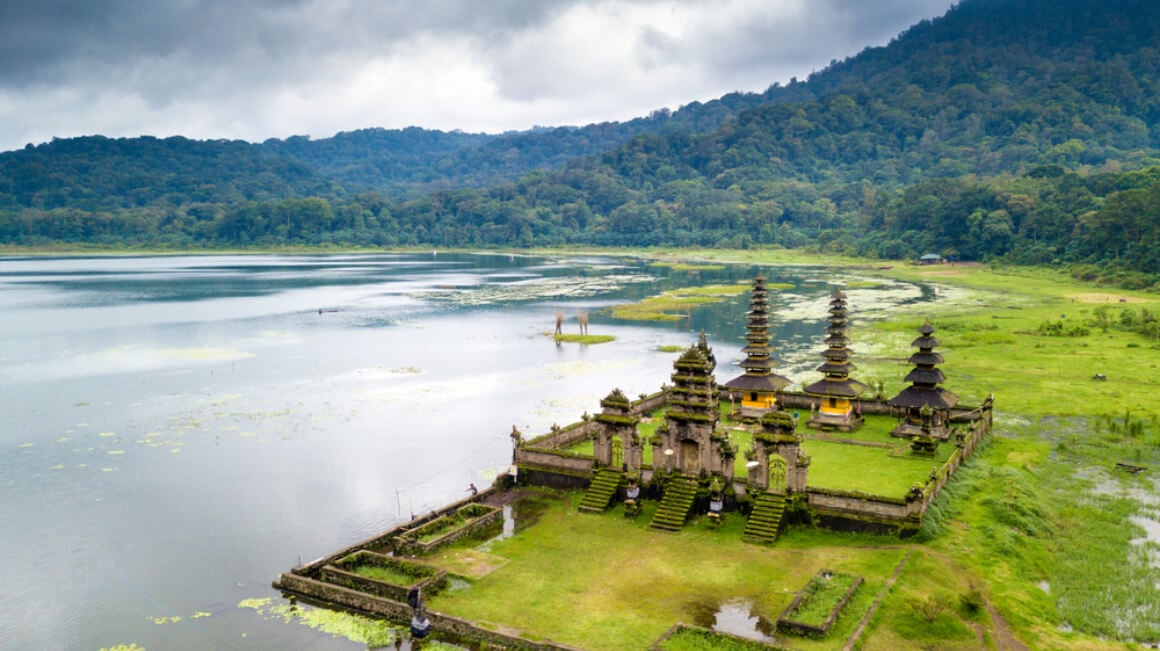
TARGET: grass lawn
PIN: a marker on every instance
(606, 582)
(877, 471)
(387, 574)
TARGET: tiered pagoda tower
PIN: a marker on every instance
(836, 390)
(759, 385)
(688, 441)
(925, 406)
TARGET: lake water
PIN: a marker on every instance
(179, 430)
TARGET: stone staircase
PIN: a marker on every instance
(765, 519)
(674, 508)
(604, 484)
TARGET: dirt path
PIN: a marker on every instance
(1005, 640)
(849, 646)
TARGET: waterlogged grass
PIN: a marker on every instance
(584, 339)
(1048, 524)
(373, 633)
(688, 266)
(676, 304)
(607, 582)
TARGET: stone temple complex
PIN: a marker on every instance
(683, 454)
(695, 452)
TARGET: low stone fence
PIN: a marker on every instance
(334, 595)
(446, 529)
(858, 511)
(650, 403)
(430, 580)
(383, 540)
(561, 438)
(786, 621)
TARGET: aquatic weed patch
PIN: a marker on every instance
(356, 628)
(675, 304)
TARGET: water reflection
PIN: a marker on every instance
(735, 617)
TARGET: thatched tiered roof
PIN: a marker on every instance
(758, 363)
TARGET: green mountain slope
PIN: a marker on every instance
(1019, 128)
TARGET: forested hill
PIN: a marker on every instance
(1019, 128)
(99, 173)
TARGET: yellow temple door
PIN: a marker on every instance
(617, 453)
(690, 457)
(777, 473)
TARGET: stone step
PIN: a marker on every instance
(674, 508)
(765, 519)
(600, 491)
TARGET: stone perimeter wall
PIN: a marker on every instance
(544, 461)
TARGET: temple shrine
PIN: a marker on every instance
(757, 388)
(836, 390)
(925, 406)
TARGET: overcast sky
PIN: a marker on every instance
(255, 69)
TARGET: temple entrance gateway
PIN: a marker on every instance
(617, 453)
(690, 457)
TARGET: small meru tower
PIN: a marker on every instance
(925, 406)
(758, 387)
(836, 390)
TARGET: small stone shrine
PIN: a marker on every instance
(617, 444)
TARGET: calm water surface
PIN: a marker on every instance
(180, 430)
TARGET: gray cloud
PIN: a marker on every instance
(222, 68)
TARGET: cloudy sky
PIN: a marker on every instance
(255, 69)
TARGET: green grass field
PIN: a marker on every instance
(606, 582)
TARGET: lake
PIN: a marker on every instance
(181, 429)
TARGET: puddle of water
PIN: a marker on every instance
(735, 617)
(517, 516)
